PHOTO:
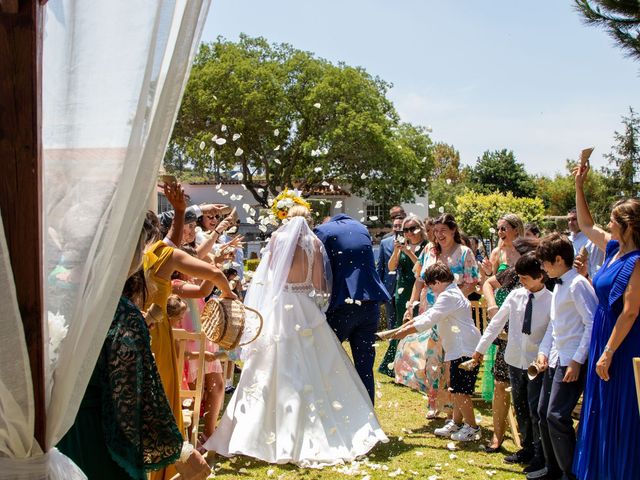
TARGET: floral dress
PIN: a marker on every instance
(404, 285)
(419, 362)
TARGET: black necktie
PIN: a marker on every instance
(526, 325)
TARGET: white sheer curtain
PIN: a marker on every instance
(113, 75)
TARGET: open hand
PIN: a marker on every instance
(175, 196)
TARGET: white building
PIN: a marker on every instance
(325, 201)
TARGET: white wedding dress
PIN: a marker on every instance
(299, 399)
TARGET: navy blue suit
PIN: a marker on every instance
(348, 245)
(389, 281)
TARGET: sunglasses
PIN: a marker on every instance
(503, 229)
(411, 230)
(213, 217)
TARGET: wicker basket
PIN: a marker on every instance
(223, 322)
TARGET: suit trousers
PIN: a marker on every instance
(526, 396)
(556, 424)
(358, 324)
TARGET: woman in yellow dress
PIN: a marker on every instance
(160, 261)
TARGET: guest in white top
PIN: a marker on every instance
(527, 309)
(595, 256)
(573, 304)
(452, 313)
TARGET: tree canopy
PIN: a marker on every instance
(498, 170)
(620, 18)
(624, 159)
(281, 117)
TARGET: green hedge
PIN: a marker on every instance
(251, 264)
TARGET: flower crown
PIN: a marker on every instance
(285, 200)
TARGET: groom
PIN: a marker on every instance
(356, 292)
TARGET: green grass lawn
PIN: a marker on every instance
(412, 452)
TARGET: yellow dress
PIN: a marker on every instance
(162, 343)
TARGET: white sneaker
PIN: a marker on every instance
(449, 428)
(466, 434)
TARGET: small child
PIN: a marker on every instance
(176, 308)
(573, 304)
(452, 313)
(527, 309)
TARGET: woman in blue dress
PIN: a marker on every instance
(609, 437)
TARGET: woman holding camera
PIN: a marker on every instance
(407, 247)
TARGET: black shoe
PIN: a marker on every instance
(544, 474)
(490, 449)
(535, 465)
(521, 456)
(229, 389)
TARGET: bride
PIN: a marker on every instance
(299, 398)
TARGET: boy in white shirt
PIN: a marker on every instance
(573, 304)
(452, 313)
(527, 309)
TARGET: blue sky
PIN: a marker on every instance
(526, 76)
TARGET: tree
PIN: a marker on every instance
(281, 117)
(558, 193)
(620, 18)
(446, 162)
(477, 214)
(624, 158)
(499, 171)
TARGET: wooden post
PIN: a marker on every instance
(21, 33)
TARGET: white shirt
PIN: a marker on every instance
(522, 349)
(572, 307)
(452, 313)
(595, 257)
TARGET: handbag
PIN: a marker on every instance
(223, 322)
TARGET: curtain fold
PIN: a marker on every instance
(113, 76)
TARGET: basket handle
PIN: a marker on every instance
(259, 328)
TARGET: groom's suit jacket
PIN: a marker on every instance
(348, 245)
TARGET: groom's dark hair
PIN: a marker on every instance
(438, 272)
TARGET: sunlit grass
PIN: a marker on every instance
(412, 447)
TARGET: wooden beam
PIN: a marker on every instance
(21, 33)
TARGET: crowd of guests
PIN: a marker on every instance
(129, 424)
(562, 315)
(561, 324)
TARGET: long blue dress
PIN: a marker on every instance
(609, 437)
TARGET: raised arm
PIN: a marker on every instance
(597, 235)
(175, 196)
(395, 257)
